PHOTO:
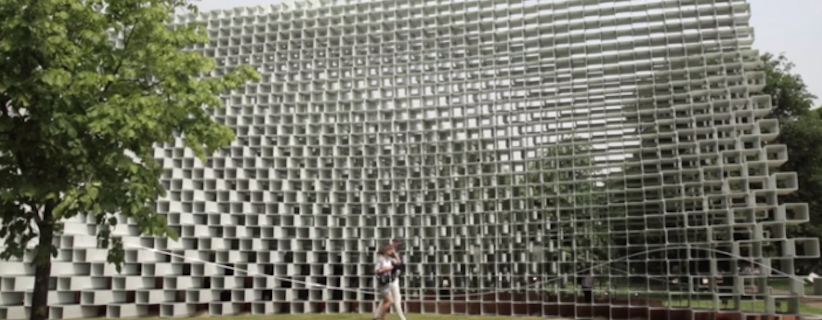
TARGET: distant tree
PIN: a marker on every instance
(801, 132)
(561, 186)
(789, 93)
(803, 138)
(81, 113)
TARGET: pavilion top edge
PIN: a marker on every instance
(365, 6)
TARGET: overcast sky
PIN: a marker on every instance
(793, 27)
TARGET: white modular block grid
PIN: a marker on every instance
(511, 145)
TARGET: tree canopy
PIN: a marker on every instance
(789, 93)
(561, 185)
(801, 133)
(87, 90)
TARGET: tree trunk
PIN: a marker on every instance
(42, 267)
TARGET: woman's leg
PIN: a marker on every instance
(377, 310)
(386, 307)
(383, 294)
(395, 293)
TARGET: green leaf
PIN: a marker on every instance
(56, 77)
(88, 105)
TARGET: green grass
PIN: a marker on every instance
(695, 301)
(785, 284)
(705, 301)
(353, 316)
(745, 306)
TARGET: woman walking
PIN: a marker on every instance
(388, 269)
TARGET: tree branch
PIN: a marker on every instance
(5, 101)
(126, 42)
(37, 218)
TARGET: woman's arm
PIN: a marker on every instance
(398, 263)
(384, 269)
(381, 268)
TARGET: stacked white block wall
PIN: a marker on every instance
(418, 120)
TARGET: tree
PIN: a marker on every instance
(801, 133)
(789, 93)
(803, 138)
(87, 88)
(562, 188)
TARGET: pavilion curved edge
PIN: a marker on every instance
(512, 145)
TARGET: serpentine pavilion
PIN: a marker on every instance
(512, 145)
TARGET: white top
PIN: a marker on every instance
(383, 262)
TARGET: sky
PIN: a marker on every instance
(792, 27)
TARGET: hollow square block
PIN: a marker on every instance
(512, 145)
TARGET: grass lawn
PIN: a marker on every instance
(356, 316)
(699, 301)
(749, 306)
(363, 316)
(785, 284)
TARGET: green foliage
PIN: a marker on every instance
(803, 138)
(562, 175)
(87, 88)
(801, 132)
(561, 186)
(789, 93)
